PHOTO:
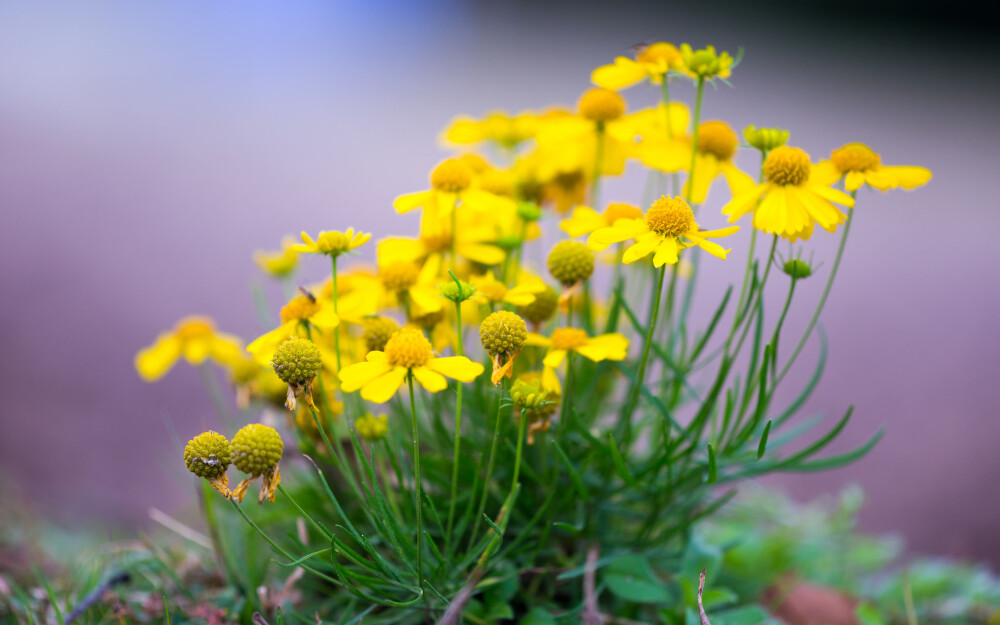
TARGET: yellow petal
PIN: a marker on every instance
(537, 340)
(854, 180)
(706, 168)
(481, 253)
(226, 349)
(400, 250)
(554, 358)
(457, 367)
(605, 347)
(824, 173)
(584, 221)
(264, 347)
(738, 181)
(382, 388)
(406, 203)
(833, 195)
(622, 230)
(744, 202)
(623, 73)
(666, 252)
(643, 247)
(357, 375)
(712, 248)
(429, 379)
(907, 177)
(156, 360)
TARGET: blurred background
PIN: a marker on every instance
(146, 149)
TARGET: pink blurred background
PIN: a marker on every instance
(146, 149)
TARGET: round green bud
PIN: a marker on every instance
(545, 305)
(256, 448)
(377, 332)
(765, 139)
(296, 361)
(208, 455)
(508, 242)
(503, 332)
(457, 292)
(570, 262)
(529, 211)
(797, 268)
(528, 393)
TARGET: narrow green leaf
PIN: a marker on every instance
(713, 466)
(762, 446)
(631, 578)
(574, 474)
(620, 466)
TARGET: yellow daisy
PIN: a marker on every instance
(471, 242)
(450, 183)
(507, 131)
(408, 352)
(564, 340)
(652, 62)
(332, 243)
(792, 199)
(666, 228)
(586, 220)
(299, 313)
(195, 340)
(857, 164)
(489, 290)
(280, 263)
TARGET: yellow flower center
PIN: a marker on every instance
(399, 276)
(429, 320)
(439, 241)
(718, 139)
(408, 348)
(618, 210)
(787, 166)
(477, 164)
(300, 308)
(194, 328)
(497, 182)
(453, 175)
(490, 287)
(601, 105)
(855, 157)
(670, 216)
(333, 242)
(659, 51)
(569, 338)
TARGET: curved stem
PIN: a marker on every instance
(418, 493)
(822, 298)
(319, 528)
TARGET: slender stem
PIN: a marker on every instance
(641, 375)
(319, 528)
(595, 183)
(753, 242)
(564, 410)
(522, 426)
(781, 319)
(489, 467)
(336, 331)
(458, 434)
(417, 489)
(822, 298)
(751, 305)
(694, 137)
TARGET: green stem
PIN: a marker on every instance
(336, 331)
(522, 426)
(822, 298)
(641, 375)
(781, 319)
(694, 137)
(418, 492)
(564, 409)
(458, 434)
(595, 183)
(753, 242)
(489, 468)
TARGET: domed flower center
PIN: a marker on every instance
(670, 216)
(408, 348)
(451, 176)
(601, 105)
(497, 182)
(618, 210)
(194, 328)
(568, 338)
(787, 166)
(300, 309)
(378, 330)
(439, 241)
(718, 139)
(399, 276)
(855, 157)
(659, 52)
(333, 242)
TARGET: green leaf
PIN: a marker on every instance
(717, 597)
(568, 528)
(540, 616)
(762, 447)
(713, 466)
(868, 614)
(631, 578)
(749, 615)
(620, 466)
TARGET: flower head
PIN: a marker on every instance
(570, 262)
(705, 64)
(372, 428)
(537, 402)
(377, 332)
(503, 334)
(564, 340)
(257, 449)
(301, 313)
(281, 263)
(451, 183)
(541, 310)
(208, 455)
(858, 164)
(504, 129)
(797, 268)
(765, 139)
(792, 199)
(297, 361)
(457, 292)
(652, 62)
(601, 105)
(332, 243)
(666, 228)
(195, 340)
(407, 352)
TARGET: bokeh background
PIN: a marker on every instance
(146, 149)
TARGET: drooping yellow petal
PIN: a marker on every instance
(893, 176)
(382, 388)
(226, 349)
(456, 367)
(666, 252)
(263, 348)
(325, 318)
(155, 361)
(824, 173)
(481, 253)
(838, 197)
(705, 170)
(625, 72)
(406, 203)
(537, 340)
(554, 358)
(622, 230)
(399, 249)
(429, 379)
(643, 247)
(584, 221)
(605, 347)
(853, 180)
(744, 202)
(739, 182)
(712, 248)
(357, 375)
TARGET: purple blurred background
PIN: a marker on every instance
(146, 149)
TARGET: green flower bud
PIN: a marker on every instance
(765, 139)
(296, 361)
(542, 308)
(208, 455)
(529, 211)
(797, 268)
(457, 292)
(570, 262)
(257, 449)
(503, 332)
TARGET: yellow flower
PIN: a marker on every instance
(652, 62)
(858, 164)
(507, 131)
(564, 340)
(372, 428)
(450, 183)
(586, 220)
(489, 290)
(667, 227)
(407, 352)
(705, 63)
(298, 314)
(794, 199)
(332, 243)
(471, 242)
(195, 340)
(280, 263)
